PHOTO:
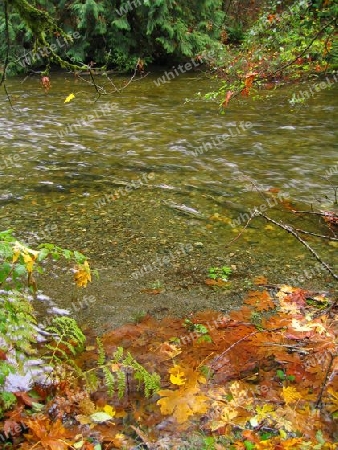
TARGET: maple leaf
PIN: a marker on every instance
(260, 300)
(182, 403)
(309, 326)
(291, 395)
(177, 375)
(333, 402)
(50, 434)
(298, 296)
(82, 274)
(229, 413)
(239, 395)
(263, 412)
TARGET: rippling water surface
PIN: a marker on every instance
(62, 163)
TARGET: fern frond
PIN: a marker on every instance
(101, 353)
(121, 383)
(91, 381)
(109, 380)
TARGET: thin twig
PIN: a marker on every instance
(316, 213)
(290, 230)
(319, 399)
(316, 235)
(240, 234)
(233, 345)
(143, 437)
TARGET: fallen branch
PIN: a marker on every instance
(332, 357)
(316, 235)
(290, 230)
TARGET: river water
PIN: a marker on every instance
(155, 176)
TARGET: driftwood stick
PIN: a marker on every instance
(316, 235)
(290, 230)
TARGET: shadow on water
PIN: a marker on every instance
(137, 176)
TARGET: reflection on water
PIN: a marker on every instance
(61, 161)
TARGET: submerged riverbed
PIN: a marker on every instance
(153, 183)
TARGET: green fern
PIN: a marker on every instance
(69, 341)
(101, 353)
(109, 380)
(115, 373)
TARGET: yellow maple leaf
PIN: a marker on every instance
(69, 98)
(228, 414)
(177, 375)
(263, 412)
(333, 401)
(291, 395)
(109, 410)
(182, 403)
(82, 274)
(240, 397)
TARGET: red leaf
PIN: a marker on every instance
(227, 98)
(24, 398)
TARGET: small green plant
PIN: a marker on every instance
(199, 329)
(156, 285)
(139, 316)
(115, 373)
(219, 273)
(283, 377)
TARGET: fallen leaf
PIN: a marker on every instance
(69, 98)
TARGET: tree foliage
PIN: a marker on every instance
(286, 43)
(112, 32)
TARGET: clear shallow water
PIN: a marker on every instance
(63, 162)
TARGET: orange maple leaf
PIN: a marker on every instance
(260, 300)
(49, 433)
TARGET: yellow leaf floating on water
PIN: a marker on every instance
(69, 98)
(82, 274)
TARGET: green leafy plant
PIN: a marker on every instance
(18, 266)
(283, 377)
(19, 263)
(123, 30)
(68, 341)
(115, 373)
(156, 285)
(199, 329)
(219, 273)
